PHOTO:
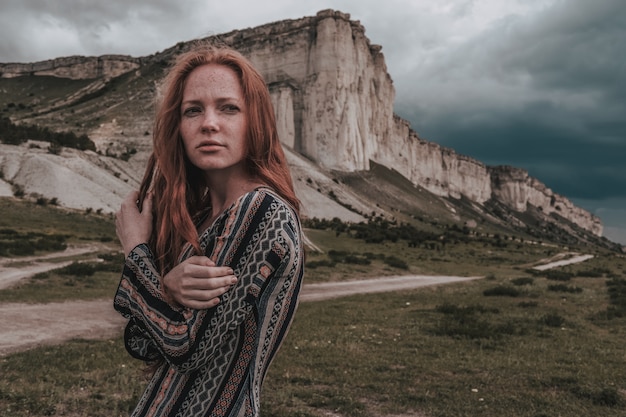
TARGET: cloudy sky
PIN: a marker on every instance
(537, 84)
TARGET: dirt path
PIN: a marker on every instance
(573, 260)
(23, 326)
(326, 291)
(9, 274)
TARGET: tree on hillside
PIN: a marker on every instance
(13, 134)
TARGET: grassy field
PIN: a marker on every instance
(515, 343)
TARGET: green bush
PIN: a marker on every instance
(556, 275)
(78, 269)
(522, 281)
(552, 320)
(394, 262)
(501, 290)
(564, 288)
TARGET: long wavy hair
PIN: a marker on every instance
(178, 190)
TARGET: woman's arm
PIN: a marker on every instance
(196, 281)
(247, 243)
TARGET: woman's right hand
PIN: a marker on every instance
(198, 283)
(131, 225)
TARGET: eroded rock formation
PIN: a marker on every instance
(334, 104)
(74, 67)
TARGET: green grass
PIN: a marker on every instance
(25, 217)
(542, 353)
(78, 378)
(460, 259)
(506, 345)
(402, 353)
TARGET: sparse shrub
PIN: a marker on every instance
(395, 262)
(357, 260)
(616, 288)
(452, 309)
(556, 275)
(594, 273)
(522, 281)
(466, 322)
(564, 288)
(41, 276)
(323, 262)
(41, 201)
(78, 269)
(552, 320)
(18, 191)
(606, 397)
(528, 304)
(501, 290)
(14, 243)
(55, 148)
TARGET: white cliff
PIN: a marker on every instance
(334, 104)
(334, 100)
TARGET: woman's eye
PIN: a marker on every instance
(191, 111)
(230, 108)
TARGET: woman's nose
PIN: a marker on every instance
(210, 122)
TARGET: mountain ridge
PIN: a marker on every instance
(334, 103)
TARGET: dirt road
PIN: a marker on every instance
(9, 275)
(23, 326)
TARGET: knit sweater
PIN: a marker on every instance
(215, 360)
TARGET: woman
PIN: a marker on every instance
(214, 258)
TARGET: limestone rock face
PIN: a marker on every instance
(331, 91)
(76, 179)
(515, 188)
(333, 100)
(75, 67)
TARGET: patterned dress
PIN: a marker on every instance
(215, 360)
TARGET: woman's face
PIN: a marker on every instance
(213, 120)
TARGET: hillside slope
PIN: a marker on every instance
(334, 103)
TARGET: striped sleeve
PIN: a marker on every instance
(255, 237)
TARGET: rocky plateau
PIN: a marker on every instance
(334, 102)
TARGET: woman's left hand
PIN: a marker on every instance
(132, 226)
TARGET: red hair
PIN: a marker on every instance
(179, 192)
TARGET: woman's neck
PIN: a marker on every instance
(225, 191)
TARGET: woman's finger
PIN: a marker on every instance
(207, 284)
(203, 295)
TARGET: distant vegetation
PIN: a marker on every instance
(519, 343)
(14, 243)
(379, 230)
(13, 134)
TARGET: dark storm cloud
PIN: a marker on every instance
(543, 92)
(537, 84)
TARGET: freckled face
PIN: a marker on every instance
(213, 120)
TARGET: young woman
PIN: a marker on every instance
(214, 258)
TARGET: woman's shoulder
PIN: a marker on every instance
(269, 198)
(265, 202)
